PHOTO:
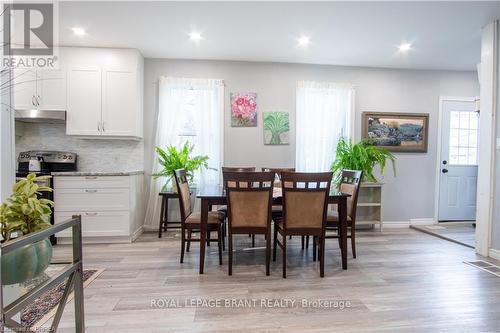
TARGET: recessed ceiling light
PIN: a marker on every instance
(195, 36)
(79, 31)
(405, 47)
(304, 41)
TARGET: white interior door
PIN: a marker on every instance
(459, 156)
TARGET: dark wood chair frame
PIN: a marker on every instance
(312, 183)
(254, 182)
(180, 178)
(238, 169)
(349, 177)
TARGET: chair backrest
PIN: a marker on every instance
(184, 193)
(305, 199)
(349, 183)
(249, 198)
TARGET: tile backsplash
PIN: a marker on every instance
(94, 155)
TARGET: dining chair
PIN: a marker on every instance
(224, 208)
(191, 222)
(249, 200)
(305, 203)
(349, 183)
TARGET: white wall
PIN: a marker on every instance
(410, 195)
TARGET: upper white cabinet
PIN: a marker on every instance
(104, 89)
(42, 89)
(84, 101)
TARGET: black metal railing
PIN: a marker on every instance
(73, 271)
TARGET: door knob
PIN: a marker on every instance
(444, 171)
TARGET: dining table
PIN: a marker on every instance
(216, 196)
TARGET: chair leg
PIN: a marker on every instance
(230, 256)
(268, 252)
(302, 241)
(223, 226)
(284, 257)
(219, 243)
(314, 248)
(275, 242)
(183, 240)
(322, 256)
(307, 242)
(208, 238)
(188, 240)
(353, 241)
(253, 240)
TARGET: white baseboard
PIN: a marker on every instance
(495, 254)
(422, 221)
(396, 224)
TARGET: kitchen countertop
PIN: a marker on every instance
(97, 173)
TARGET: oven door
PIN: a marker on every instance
(44, 195)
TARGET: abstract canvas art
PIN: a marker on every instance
(276, 128)
(397, 132)
(243, 109)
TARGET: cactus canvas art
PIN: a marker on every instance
(243, 109)
(276, 128)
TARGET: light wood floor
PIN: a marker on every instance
(462, 232)
(402, 281)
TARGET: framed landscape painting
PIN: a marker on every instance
(397, 132)
(276, 128)
(243, 109)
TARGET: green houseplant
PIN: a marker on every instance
(21, 214)
(172, 159)
(362, 156)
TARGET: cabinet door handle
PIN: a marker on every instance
(38, 100)
(103, 126)
(98, 126)
(33, 100)
(90, 177)
(91, 191)
(91, 214)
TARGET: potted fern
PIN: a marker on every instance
(173, 159)
(362, 156)
(21, 214)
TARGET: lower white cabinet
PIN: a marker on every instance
(111, 206)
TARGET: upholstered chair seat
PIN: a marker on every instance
(213, 218)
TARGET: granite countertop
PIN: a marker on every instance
(97, 173)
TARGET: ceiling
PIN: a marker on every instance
(444, 35)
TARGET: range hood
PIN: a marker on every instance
(41, 116)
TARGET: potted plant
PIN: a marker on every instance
(362, 156)
(21, 214)
(173, 159)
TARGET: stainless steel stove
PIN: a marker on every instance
(49, 161)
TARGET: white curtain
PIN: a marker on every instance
(188, 110)
(324, 112)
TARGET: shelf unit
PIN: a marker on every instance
(369, 211)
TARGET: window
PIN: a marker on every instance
(191, 110)
(463, 137)
(324, 113)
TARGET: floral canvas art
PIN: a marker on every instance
(243, 109)
(276, 128)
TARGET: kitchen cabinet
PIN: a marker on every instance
(111, 207)
(42, 89)
(104, 92)
(84, 101)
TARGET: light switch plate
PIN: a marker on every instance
(498, 143)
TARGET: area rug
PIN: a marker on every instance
(44, 308)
